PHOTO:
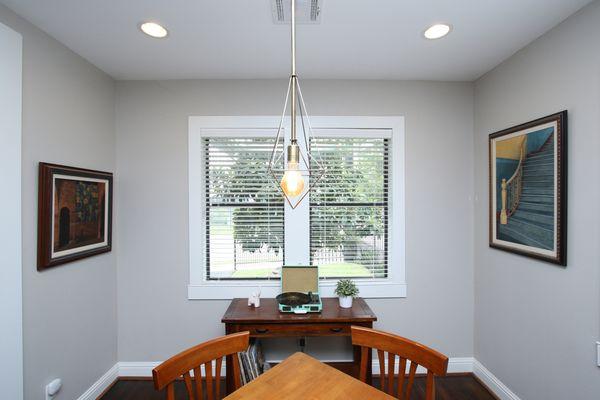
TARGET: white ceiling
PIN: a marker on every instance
(362, 39)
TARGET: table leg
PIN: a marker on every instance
(229, 375)
(229, 384)
(370, 361)
(356, 358)
(370, 367)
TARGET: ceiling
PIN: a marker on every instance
(356, 39)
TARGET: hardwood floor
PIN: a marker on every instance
(455, 387)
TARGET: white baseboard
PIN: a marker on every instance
(493, 383)
(137, 369)
(455, 365)
(144, 370)
(101, 384)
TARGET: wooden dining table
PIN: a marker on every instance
(301, 377)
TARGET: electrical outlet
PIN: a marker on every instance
(598, 353)
(53, 388)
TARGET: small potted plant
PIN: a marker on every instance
(346, 291)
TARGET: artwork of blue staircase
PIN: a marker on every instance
(532, 222)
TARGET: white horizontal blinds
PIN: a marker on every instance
(349, 208)
(244, 210)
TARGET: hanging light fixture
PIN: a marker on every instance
(299, 165)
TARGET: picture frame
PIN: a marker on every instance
(528, 189)
(74, 214)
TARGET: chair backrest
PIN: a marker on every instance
(435, 363)
(191, 359)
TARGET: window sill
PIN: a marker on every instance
(229, 290)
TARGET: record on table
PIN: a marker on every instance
(293, 299)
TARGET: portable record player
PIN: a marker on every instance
(299, 290)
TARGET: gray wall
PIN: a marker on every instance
(535, 323)
(69, 312)
(532, 320)
(156, 319)
(11, 295)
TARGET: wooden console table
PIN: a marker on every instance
(267, 322)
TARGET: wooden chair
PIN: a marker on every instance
(181, 364)
(418, 354)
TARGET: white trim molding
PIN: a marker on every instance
(134, 369)
(101, 384)
(143, 369)
(199, 287)
(494, 384)
(455, 365)
(228, 290)
(11, 249)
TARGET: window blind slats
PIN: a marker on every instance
(349, 208)
(244, 210)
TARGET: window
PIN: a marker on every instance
(349, 208)
(242, 231)
(244, 210)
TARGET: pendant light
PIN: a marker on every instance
(301, 170)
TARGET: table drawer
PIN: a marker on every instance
(282, 330)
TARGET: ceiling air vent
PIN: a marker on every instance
(307, 11)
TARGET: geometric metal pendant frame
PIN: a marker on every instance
(310, 166)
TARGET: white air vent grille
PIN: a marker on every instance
(307, 11)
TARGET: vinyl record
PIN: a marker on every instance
(293, 299)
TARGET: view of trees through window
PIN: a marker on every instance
(349, 208)
(245, 211)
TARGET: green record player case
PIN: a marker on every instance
(303, 279)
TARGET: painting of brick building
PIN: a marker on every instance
(74, 214)
(79, 210)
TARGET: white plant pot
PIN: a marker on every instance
(345, 301)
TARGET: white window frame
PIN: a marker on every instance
(297, 248)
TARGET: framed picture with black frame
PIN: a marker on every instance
(528, 189)
(74, 214)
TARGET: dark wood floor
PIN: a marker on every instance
(456, 387)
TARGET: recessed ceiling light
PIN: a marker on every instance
(437, 31)
(153, 29)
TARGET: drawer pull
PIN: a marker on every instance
(262, 330)
(336, 330)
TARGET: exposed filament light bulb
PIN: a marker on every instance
(292, 182)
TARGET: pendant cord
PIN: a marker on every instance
(293, 37)
(293, 105)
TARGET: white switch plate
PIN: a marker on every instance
(598, 353)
